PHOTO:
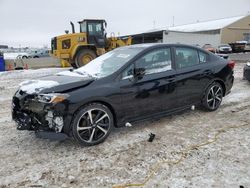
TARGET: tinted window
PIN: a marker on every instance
(203, 57)
(186, 57)
(158, 60)
(83, 27)
(95, 28)
(129, 72)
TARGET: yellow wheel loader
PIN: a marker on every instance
(80, 48)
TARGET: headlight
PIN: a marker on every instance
(52, 98)
(248, 64)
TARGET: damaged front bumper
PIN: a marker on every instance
(31, 114)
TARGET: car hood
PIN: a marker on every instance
(59, 83)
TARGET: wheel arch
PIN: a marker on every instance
(103, 102)
(218, 80)
(223, 85)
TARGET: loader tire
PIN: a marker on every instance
(84, 56)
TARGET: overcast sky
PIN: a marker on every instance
(35, 22)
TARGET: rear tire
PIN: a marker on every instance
(84, 56)
(213, 97)
(92, 124)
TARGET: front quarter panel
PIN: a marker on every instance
(103, 93)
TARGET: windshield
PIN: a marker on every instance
(95, 28)
(109, 63)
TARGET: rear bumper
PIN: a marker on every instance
(229, 84)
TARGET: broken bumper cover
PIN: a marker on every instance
(30, 114)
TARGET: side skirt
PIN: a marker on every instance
(157, 115)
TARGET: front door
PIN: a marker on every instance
(155, 91)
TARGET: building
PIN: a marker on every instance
(215, 32)
(152, 36)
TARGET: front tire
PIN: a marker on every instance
(84, 56)
(92, 124)
(213, 97)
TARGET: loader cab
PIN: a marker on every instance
(95, 30)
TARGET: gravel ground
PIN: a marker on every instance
(126, 156)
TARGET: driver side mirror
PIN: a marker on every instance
(139, 73)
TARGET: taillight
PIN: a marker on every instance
(231, 64)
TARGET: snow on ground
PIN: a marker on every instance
(10, 80)
(126, 156)
(31, 73)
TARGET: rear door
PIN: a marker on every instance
(193, 73)
(155, 92)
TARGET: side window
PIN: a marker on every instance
(90, 27)
(186, 57)
(129, 72)
(203, 57)
(83, 27)
(156, 61)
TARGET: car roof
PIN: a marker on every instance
(153, 45)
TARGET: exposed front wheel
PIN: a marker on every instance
(213, 97)
(92, 124)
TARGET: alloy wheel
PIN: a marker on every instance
(214, 97)
(93, 125)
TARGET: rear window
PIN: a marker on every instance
(186, 57)
(203, 57)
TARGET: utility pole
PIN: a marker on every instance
(173, 21)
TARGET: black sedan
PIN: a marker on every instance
(121, 87)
